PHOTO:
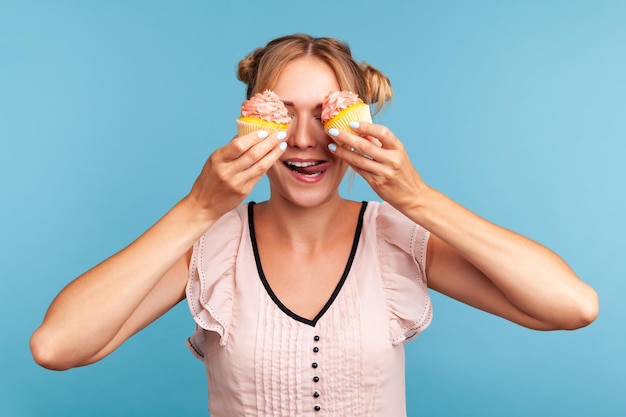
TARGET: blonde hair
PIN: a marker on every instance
(261, 68)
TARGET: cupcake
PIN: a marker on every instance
(339, 108)
(263, 111)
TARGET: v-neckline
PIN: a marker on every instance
(268, 288)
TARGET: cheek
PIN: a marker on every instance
(274, 170)
(341, 166)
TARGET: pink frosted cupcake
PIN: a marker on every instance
(263, 111)
(339, 108)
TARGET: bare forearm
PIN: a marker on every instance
(532, 277)
(120, 296)
(92, 309)
(474, 260)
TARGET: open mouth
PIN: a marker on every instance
(307, 168)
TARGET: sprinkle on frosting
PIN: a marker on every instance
(337, 101)
(267, 106)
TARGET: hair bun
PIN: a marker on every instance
(378, 86)
(261, 68)
(248, 67)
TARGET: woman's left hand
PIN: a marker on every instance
(380, 158)
(469, 258)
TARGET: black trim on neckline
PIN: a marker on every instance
(270, 292)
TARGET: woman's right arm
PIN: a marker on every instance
(102, 308)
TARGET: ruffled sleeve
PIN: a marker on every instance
(211, 282)
(402, 248)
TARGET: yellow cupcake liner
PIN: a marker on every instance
(247, 125)
(359, 112)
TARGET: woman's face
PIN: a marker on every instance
(307, 174)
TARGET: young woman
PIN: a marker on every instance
(302, 303)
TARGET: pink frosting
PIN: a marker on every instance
(337, 101)
(267, 106)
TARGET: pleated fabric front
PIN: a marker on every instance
(263, 361)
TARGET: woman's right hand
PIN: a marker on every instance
(233, 170)
(106, 305)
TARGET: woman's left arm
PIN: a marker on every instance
(469, 258)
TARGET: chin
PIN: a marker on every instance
(305, 193)
(305, 198)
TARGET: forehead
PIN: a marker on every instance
(306, 80)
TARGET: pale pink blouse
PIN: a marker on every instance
(263, 360)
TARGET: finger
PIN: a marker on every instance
(258, 151)
(364, 147)
(380, 132)
(237, 176)
(240, 144)
(357, 161)
(265, 162)
(248, 148)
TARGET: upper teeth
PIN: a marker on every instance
(301, 164)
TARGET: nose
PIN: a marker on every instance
(301, 134)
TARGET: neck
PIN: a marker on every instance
(305, 228)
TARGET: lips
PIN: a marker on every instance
(310, 168)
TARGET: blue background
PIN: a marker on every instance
(516, 109)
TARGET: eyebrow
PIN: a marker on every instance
(290, 104)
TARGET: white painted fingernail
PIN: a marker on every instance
(332, 147)
(354, 125)
(333, 132)
(262, 134)
(283, 146)
(281, 135)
